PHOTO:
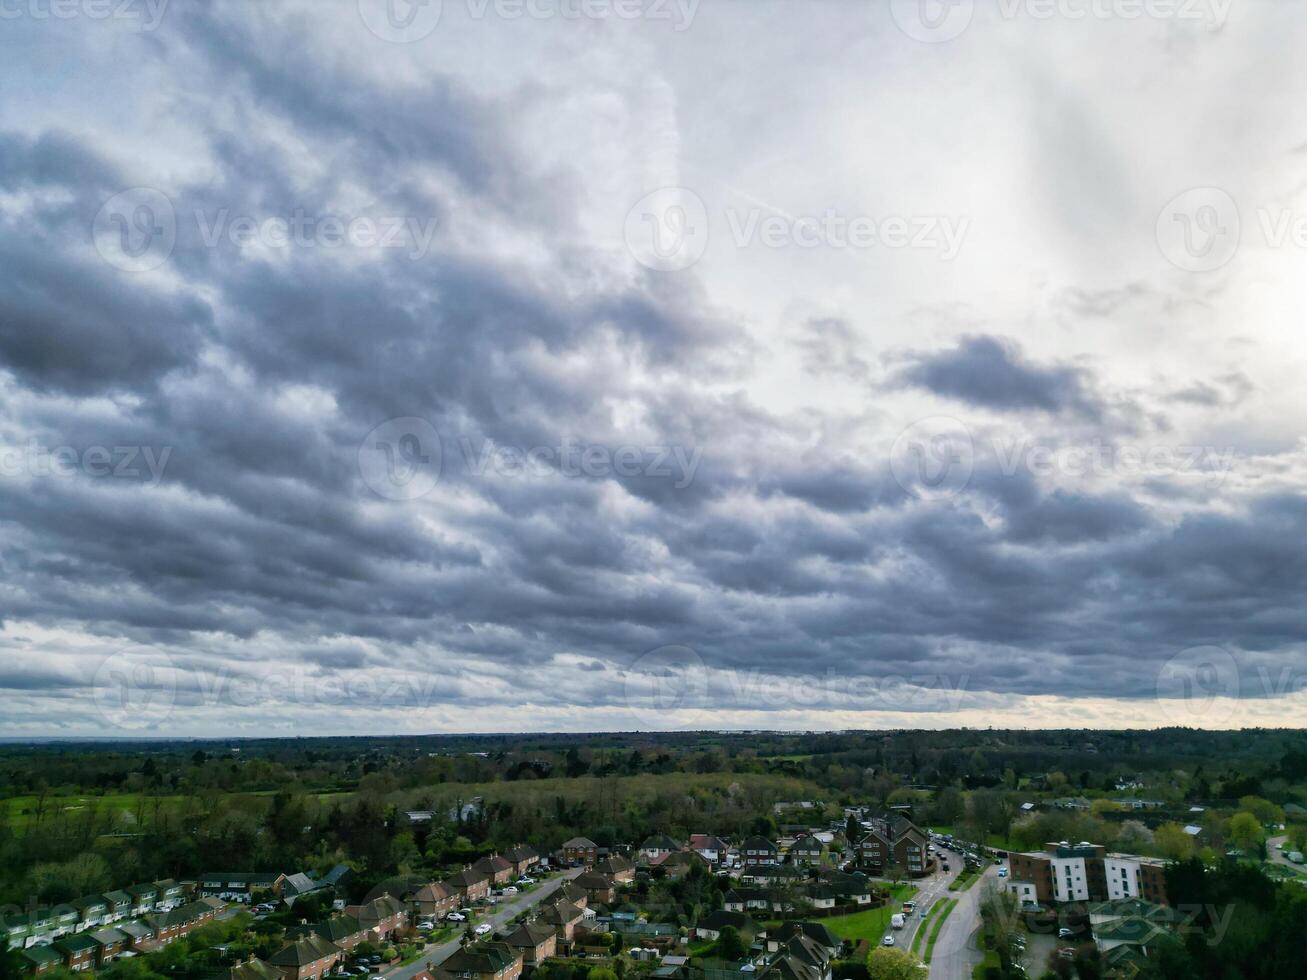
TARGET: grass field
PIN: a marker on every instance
(126, 811)
(937, 924)
(873, 923)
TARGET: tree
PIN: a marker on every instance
(1173, 841)
(1245, 831)
(730, 946)
(890, 963)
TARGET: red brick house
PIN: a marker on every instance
(434, 900)
(343, 931)
(308, 958)
(580, 850)
(536, 942)
(109, 944)
(78, 952)
(500, 870)
(381, 918)
(252, 969)
(470, 884)
(481, 961)
(523, 858)
(563, 916)
(599, 888)
(616, 867)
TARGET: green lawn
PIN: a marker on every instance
(938, 924)
(873, 923)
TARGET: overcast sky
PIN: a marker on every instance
(498, 366)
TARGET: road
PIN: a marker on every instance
(1275, 855)
(929, 891)
(503, 913)
(955, 953)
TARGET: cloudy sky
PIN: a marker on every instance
(500, 365)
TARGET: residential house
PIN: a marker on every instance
(574, 893)
(109, 943)
(239, 886)
(678, 864)
(850, 889)
(381, 918)
(498, 869)
(599, 888)
(712, 924)
(308, 958)
(523, 858)
(434, 900)
(78, 952)
(756, 851)
(563, 917)
(63, 921)
(742, 899)
(711, 849)
(144, 898)
(807, 850)
(169, 895)
(482, 961)
(341, 930)
(616, 867)
(293, 887)
(140, 935)
(580, 850)
(118, 906)
(895, 841)
(470, 884)
(535, 941)
(177, 922)
(656, 847)
(91, 911)
(820, 896)
(251, 969)
(816, 931)
(39, 959)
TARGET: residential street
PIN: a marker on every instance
(954, 953)
(929, 891)
(505, 911)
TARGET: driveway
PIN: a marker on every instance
(955, 952)
(503, 913)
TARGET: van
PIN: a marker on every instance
(896, 920)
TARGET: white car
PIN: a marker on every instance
(426, 925)
(510, 890)
(1064, 933)
(456, 917)
(524, 880)
(1002, 872)
(887, 941)
(482, 929)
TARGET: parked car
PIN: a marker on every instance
(1002, 872)
(510, 890)
(426, 925)
(1064, 933)
(456, 917)
(482, 929)
(1067, 953)
(524, 880)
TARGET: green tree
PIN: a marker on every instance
(730, 946)
(1245, 831)
(889, 963)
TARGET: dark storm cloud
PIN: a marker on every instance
(990, 373)
(788, 551)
